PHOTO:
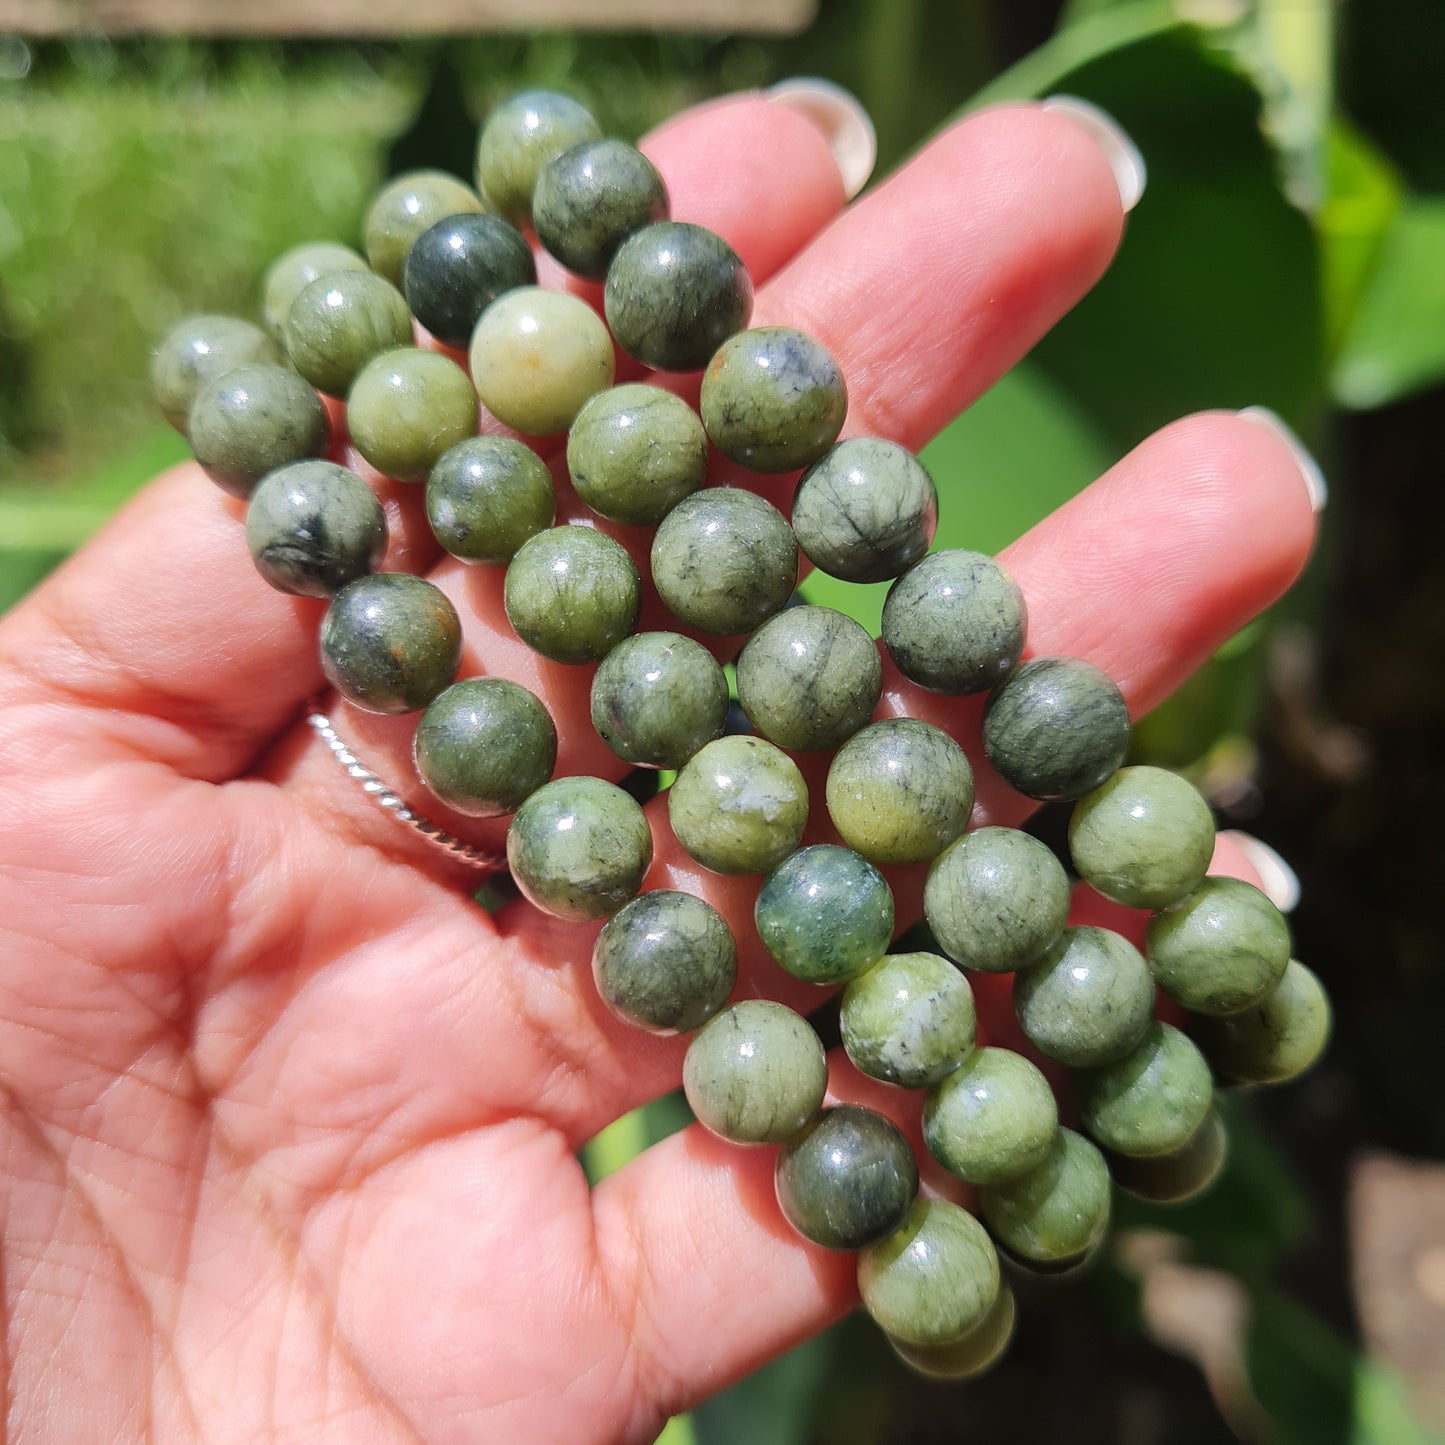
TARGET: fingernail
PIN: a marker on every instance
(842, 119)
(1314, 478)
(1130, 172)
(1277, 880)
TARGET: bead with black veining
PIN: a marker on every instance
(339, 322)
(657, 698)
(200, 350)
(406, 408)
(294, 270)
(403, 209)
(993, 1118)
(458, 267)
(486, 496)
(909, 1020)
(1152, 1100)
(591, 198)
(572, 594)
(1278, 1038)
(520, 138)
(1057, 1212)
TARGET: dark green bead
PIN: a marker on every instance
(488, 495)
(200, 350)
(996, 899)
(825, 914)
(251, 421)
(484, 746)
(635, 452)
(900, 791)
(1088, 1001)
(992, 1119)
(657, 698)
(390, 642)
(579, 848)
(909, 1020)
(406, 207)
(339, 322)
(773, 399)
(406, 408)
(1152, 1100)
(756, 1073)
(865, 511)
(724, 560)
(572, 594)
(675, 292)
(955, 623)
(809, 678)
(591, 198)
(971, 1355)
(1058, 1211)
(665, 963)
(1179, 1177)
(521, 137)
(1276, 1040)
(312, 527)
(458, 267)
(294, 270)
(849, 1180)
(1057, 728)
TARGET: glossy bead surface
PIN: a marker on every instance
(657, 698)
(992, 1119)
(252, 420)
(407, 408)
(484, 746)
(339, 322)
(390, 642)
(521, 136)
(572, 594)
(970, 1355)
(458, 267)
(1152, 1100)
(666, 962)
(406, 207)
(486, 496)
(1179, 1177)
(294, 270)
(900, 791)
(1277, 1039)
(591, 198)
(1059, 1210)
(909, 1020)
(198, 351)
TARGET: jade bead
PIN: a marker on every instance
(1056, 729)
(1179, 1177)
(484, 746)
(198, 351)
(970, 1355)
(848, 1180)
(665, 963)
(724, 560)
(955, 623)
(865, 511)
(572, 594)
(537, 356)
(407, 408)
(486, 496)
(458, 267)
(1057, 1212)
(635, 451)
(773, 399)
(252, 420)
(521, 137)
(657, 698)
(825, 914)
(1220, 950)
(1152, 1100)
(1144, 838)
(591, 198)
(1276, 1040)
(675, 292)
(739, 805)
(900, 791)
(294, 270)
(756, 1073)
(390, 642)
(406, 207)
(909, 1020)
(1088, 1000)
(312, 527)
(992, 1119)
(579, 848)
(809, 678)
(339, 322)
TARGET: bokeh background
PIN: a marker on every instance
(1290, 252)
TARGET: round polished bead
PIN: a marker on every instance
(198, 351)
(674, 293)
(635, 452)
(900, 791)
(486, 496)
(1220, 950)
(408, 407)
(665, 963)
(294, 270)
(591, 198)
(390, 642)
(909, 1020)
(809, 678)
(724, 560)
(1144, 838)
(339, 322)
(865, 511)
(579, 848)
(252, 420)
(484, 746)
(406, 207)
(1056, 729)
(992, 1119)
(458, 267)
(1152, 1100)
(773, 399)
(1057, 1212)
(955, 623)
(657, 698)
(1278, 1038)
(739, 805)
(756, 1073)
(1179, 1177)
(825, 914)
(572, 594)
(520, 138)
(970, 1355)
(312, 527)
(849, 1180)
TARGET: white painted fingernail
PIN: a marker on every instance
(841, 117)
(1130, 172)
(1314, 478)
(1277, 880)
